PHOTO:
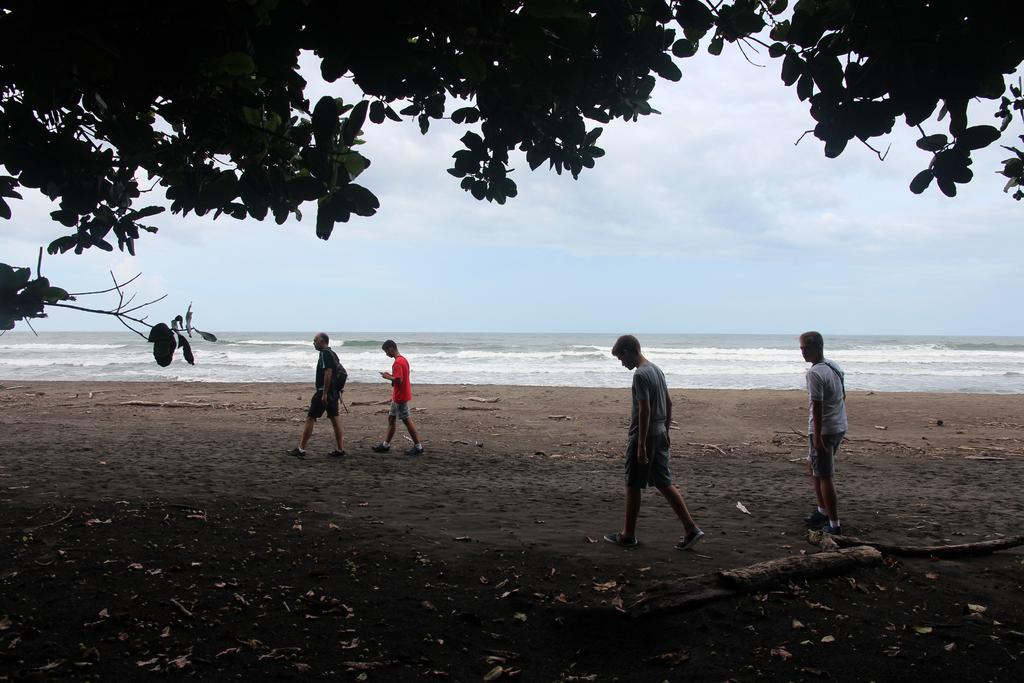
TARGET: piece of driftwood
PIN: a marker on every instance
(696, 591)
(481, 399)
(706, 445)
(166, 404)
(477, 408)
(958, 550)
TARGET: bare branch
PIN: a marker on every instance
(802, 137)
(120, 316)
(107, 291)
(881, 155)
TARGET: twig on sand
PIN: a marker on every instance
(17, 386)
(477, 408)
(184, 610)
(56, 521)
(369, 403)
(706, 445)
(480, 399)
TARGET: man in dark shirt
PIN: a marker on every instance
(330, 380)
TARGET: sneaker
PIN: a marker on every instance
(832, 530)
(297, 452)
(336, 454)
(816, 519)
(690, 540)
(415, 450)
(381, 448)
(620, 540)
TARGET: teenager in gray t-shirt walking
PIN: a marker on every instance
(647, 452)
(826, 426)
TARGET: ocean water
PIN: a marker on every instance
(733, 361)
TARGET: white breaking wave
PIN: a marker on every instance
(978, 364)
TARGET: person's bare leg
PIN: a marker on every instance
(307, 431)
(391, 429)
(817, 487)
(825, 487)
(339, 430)
(675, 499)
(633, 496)
(412, 430)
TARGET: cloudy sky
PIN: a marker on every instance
(708, 218)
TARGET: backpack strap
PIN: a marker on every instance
(842, 382)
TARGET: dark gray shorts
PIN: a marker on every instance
(824, 464)
(399, 410)
(657, 470)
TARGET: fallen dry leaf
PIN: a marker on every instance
(669, 658)
(797, 623)
(828, 639)
(519, 616)
(781, 652)
(495, 673)
(606, 586)
(977, 609)
(923, 630)
(742, 508)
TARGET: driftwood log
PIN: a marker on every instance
(699, 590)
(958, 550)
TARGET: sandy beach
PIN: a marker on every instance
(153, 527)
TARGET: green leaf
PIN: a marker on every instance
(977, 137)
(207, 336)
(933, 143)
(684, 48)
(805, 87)
(305, 188)
(5, 210)
(947, 186)
(186, 350)
(391, 113)
(695, 18)
(792, 68)
(325, 121)
(377, 112)
(921, 181)
(466, 115)
(666, 68)
(237, 64)
(354, 122)
(715, 46)
(776, 50)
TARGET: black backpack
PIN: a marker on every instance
(339, 376)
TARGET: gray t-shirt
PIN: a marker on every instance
(648, 385)
(825, 384)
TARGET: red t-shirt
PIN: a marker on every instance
(401, 391)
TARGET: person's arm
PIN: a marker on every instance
(668, 417)
(328, 376)
(643, 427)
(817, 410)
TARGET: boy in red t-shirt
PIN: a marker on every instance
(401, 395)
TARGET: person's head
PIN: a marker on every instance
(812, 346)
(390, 348)
(321, 341)
(627, 350)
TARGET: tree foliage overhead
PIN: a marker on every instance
(102, 102)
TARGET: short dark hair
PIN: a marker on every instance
(813, 338)
(626, 343)
(389, 344)
(323, 335)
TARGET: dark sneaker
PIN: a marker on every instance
(832, 530)
(415, 450)
(381, 448)
(297, 452)
(620, 540)
(815, 520)
(336, 454)
(690, 540)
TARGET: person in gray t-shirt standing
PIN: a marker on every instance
(647, 452)
(826, 426)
